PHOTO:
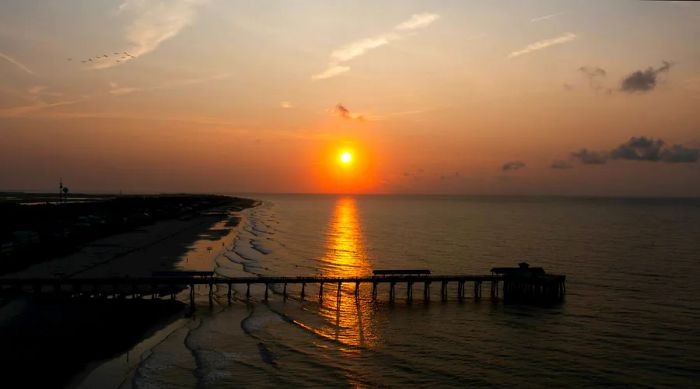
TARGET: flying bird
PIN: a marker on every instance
(105, 55)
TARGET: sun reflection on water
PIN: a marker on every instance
(349, 319)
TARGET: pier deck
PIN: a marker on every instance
(547, 287)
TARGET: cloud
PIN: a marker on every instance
(588, 157)
(561, 165)
(117, 89)
(595, 75)
(15, 62)
(543, 44)
(592, 71)
(513, 166)
(680, 154)
(345, 113)
(644, 80)
(286, 105)
(153, 22)
(417, 21)
(640, 149)
(357, 48)
(546, 17)
(36, 106)
(330, 72)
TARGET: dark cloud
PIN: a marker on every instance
(561, 165)
(644, 80)
(639, 149)
(680, 154)
(588, 157)
(345, 113)
(512, 166)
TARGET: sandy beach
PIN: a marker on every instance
(73, 337)
(163, 246)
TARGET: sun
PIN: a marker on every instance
(346, 157)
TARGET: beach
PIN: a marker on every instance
(71, 337)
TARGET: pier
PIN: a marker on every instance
(509, 287)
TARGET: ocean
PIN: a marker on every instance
(630, 317)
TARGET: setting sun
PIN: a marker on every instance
(346, 157)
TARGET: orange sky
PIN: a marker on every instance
(431, 97)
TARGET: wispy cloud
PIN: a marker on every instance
(546, 17)
(117, 89)
(286, 105)
(15, 62)
(355, 49)
(543, 44)
(332, 71)
(35, 106)
(153, 22)
(417, 21)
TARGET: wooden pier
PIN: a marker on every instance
(535, 288)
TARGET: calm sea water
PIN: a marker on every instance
(631, 315)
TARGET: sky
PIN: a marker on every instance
(586, 98)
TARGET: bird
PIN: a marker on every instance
(105, 55)
(90, 59)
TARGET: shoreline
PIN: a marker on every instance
(75, 337)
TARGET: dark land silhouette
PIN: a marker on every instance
(66, 336)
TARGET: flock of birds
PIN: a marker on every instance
(123, 56)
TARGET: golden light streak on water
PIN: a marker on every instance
(349, 319)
